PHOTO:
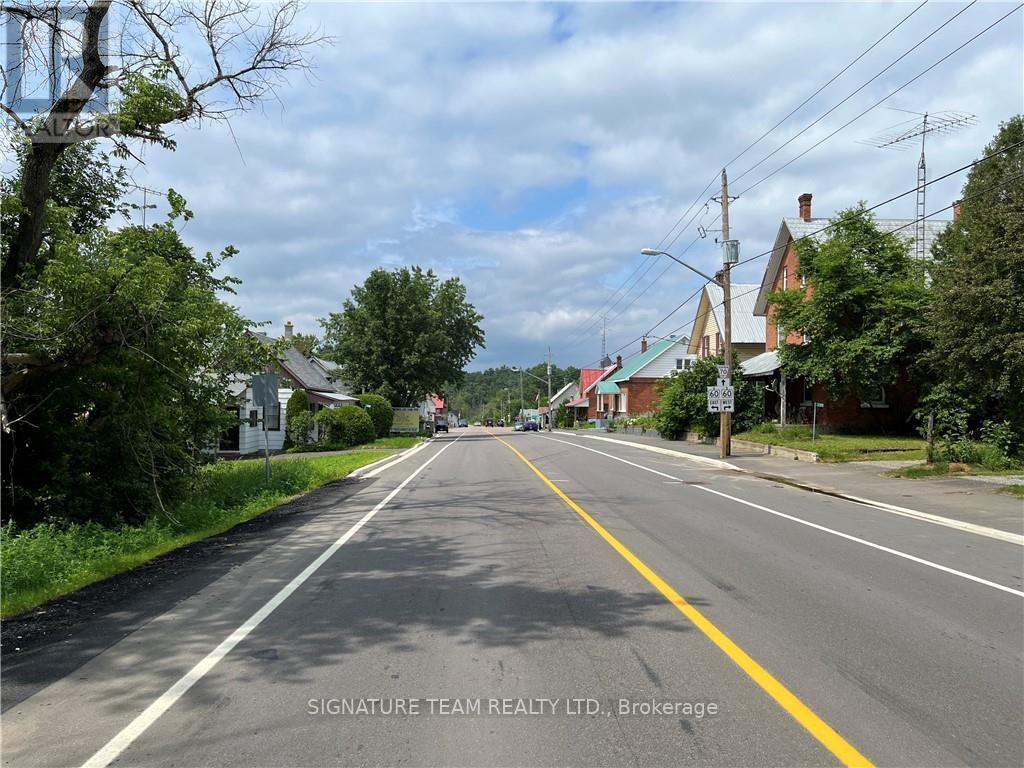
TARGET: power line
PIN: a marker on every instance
(857, 90)
(882, 100)
(835, 77)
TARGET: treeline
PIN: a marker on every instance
(485, 394)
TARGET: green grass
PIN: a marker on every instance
(392, 442)
(948, 469)
(1013, 490)
(46, 561)
(839, 448)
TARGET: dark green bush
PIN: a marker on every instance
(381, 413)
(683, 404)
(345, 427)
(298, 420)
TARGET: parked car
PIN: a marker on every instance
(441, 425)
(501, 422)
(490, 422)
(477, 424)
(532, 426)
(519, 427)
(463, 423)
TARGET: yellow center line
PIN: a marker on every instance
(822, 731)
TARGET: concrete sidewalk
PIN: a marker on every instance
(967, 499)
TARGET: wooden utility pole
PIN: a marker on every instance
(551, 415)
(725, 431)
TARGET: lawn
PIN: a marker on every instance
(394, 442)
(948, 469)
(837, 448)
(48, 560)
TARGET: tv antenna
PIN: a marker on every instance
(903, 135)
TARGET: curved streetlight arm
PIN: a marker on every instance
(653, 252)
(517, 369)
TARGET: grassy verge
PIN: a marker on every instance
(838, 448)
(392, 442)
(1013, 490)
(948, 469)
(47, 561)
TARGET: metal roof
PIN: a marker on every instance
(608, 388)
(795, 228)
(746, 327)
(578, 402)
(761, 365)
(299, 367)
(636, 362)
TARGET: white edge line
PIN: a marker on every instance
(948, 522)
(113, 748)
(374, 469)
(809, 524)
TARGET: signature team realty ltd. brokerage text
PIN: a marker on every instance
(510, 707)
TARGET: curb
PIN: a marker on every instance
(980, 530)
(394, 458)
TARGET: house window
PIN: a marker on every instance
(803, 281)
(808, 392)
(687, 363)
(807, 338)
(679, 363)
(780, 335)
(706, 347)
(785, 278)
(272, 417)
(875, 398)
(718, 343)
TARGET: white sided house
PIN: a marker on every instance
(295, 371)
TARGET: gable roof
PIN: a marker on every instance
(746, 328)
(795, 228)
(298, 367)
(562, 392)
(588, 376)
(636, 362)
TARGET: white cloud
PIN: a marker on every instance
(423, 121)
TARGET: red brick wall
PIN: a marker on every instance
(790, 261)
(641, 396)
(901, 399)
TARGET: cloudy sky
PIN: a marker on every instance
(534, 149)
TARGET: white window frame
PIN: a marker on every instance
(880, 401)
(785, 278)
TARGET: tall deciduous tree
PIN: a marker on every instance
(403, 334)
(976, 321)
(863, 314)
(239, 53)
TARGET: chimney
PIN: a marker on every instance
(805, 206)
(643, 345)
(956, 210)
(618, 361)
(288, 329)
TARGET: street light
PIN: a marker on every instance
(542, 381)
(653, 252)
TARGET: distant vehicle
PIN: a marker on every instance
(441, 425)
(519, 427)
(477, 424)
(490, 423)
(501, 422)
(463, 423)
(531, 426)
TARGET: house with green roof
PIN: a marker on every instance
(630, 387)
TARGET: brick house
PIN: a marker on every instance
(584, 406)
(885, 409)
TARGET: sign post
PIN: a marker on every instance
(264, 395)
(814, 420)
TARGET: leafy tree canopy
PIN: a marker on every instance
(683, 400)
(403, 334)
(862, 310)
(975, 324)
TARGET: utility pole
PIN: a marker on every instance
(550, 415)
(725, 441)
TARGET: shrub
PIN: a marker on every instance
(298, 419)
(765, 428)
(381, 413)
(683, 404)
(345, 427)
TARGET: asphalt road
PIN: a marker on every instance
(702, 616)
